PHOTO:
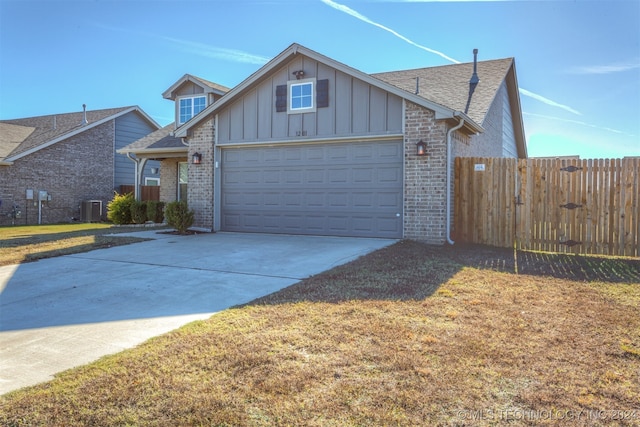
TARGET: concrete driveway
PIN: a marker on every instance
(63, 312)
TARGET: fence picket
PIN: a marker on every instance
(517, 202)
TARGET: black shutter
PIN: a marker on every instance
(322, 93)
(281, 98)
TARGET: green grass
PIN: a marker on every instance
(408, 335)
(20, 244)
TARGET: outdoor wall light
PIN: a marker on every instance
(421, 148)
(196, 159)
(154, 171)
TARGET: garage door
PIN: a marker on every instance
(345, 189)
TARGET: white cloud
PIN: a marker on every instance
(218, 52)
(197, 48)
(606, 69)
(577, 122)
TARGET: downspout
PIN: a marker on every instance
(449, 145)
(135, 179)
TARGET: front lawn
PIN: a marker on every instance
(26, 243)
(408, 335)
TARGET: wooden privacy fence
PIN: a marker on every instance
(147, 192)
(553, 205)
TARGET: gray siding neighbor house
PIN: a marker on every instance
(308, 145)
(51, 165)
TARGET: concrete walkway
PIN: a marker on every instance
(63, 312)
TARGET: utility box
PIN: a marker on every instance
(91, 211)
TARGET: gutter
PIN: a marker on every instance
(449, 145)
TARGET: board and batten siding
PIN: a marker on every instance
(355, 108)
(130, 128)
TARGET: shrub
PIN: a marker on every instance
(138, 212)
(155, 211)
(119, 209)
(179, 216)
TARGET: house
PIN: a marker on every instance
(308, 145)
(51, 165)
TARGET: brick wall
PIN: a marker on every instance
(79, 168)
(169, 179)
(200, 194)
(425, 177)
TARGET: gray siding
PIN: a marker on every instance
(129, 128)
(509, 148)
(355, 109)
(498, 138)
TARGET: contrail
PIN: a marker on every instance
(577, 122)
(547, 101)
(357, 15)
(349, 11)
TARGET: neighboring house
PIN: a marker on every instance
(51, 165)
(308, 145)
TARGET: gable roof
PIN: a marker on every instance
(442, 111)
(206, 85)
(160, 141)
(449, 85)
(21, 137)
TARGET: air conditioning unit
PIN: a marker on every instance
(91, 211)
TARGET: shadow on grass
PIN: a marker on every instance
(589, 268)
(410, 270)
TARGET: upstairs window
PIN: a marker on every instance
(189, 107)
(301, 96)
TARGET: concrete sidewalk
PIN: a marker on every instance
(62, 312)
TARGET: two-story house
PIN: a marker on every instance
(308, 145)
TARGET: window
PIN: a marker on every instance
(183, 179)
(152, 181)
(189, 107)
(301, 96)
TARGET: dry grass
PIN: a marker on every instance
(409, 335)
(21, 244)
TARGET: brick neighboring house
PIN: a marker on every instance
(70, 158)
(308, 145)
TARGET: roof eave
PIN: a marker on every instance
(441, 111)
(146, 151)
(516, 111)
(79, 130)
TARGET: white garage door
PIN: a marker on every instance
(341, 189)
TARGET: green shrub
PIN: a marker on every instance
(119, 209)
(155, 211)
(179, 216)
(138, 212)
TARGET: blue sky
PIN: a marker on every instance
(578, 62)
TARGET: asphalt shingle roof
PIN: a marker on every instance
(20, 135)
(448, 85)
(160, 139)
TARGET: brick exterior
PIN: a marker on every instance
(169, 179)
(425, 177)
(201, 186)
(79, 168)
